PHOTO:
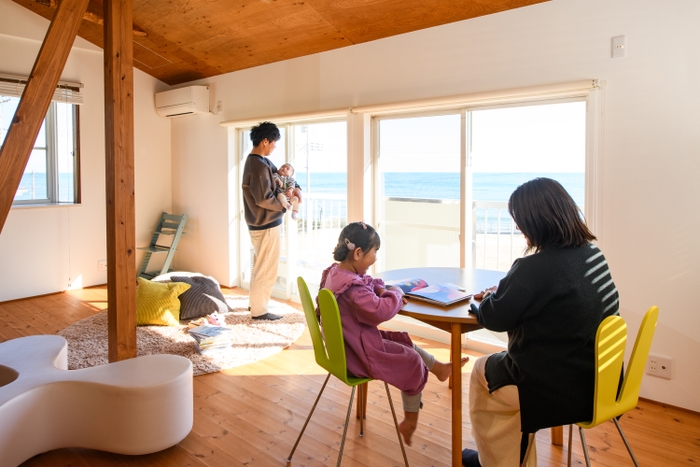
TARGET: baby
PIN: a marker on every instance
(285, 193)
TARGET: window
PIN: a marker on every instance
(52, 173)
(423, 169)
(509, 146)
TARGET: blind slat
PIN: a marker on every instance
(69, 94)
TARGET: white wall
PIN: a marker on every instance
(651, 143)
(50, 249)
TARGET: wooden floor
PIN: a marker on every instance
(251, 415)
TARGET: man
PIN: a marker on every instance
(263, 214)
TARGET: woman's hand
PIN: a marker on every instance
(297, 193)
(485, 293)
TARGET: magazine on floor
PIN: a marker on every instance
(439, 294)
(210, 338)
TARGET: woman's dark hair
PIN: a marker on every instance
(265, 130)
(359, 234)
(547, 215)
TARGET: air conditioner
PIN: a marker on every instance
(183, 101)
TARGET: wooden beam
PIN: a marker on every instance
(119, 154)
(36, 99)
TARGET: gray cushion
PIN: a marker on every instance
(203, 298)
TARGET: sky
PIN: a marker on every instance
(540, 138)
(535, 138)
(64, 144)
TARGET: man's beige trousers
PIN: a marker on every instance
(266, 244)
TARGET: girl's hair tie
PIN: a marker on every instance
(363, 225)
(349, 244)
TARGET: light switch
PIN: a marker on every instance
(619, 48)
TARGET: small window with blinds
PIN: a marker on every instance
(52, 174)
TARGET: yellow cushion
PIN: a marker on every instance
(157, 302)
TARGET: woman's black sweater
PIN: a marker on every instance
(551, 304)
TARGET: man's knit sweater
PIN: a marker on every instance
(551, 304)
(261, 207)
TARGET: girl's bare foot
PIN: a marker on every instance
(443, 370)
(408, 426)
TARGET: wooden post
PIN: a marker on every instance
(119, 154)
(36, 99)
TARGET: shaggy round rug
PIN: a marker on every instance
(251, 340)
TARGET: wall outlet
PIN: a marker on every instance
(102, 265)
(659, 366)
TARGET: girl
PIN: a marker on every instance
(365, 303)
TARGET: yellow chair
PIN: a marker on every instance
(329, 350)
(611, 339)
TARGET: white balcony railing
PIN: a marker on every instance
(496, 242)
(416, 232)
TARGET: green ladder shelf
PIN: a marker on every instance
(169, 225)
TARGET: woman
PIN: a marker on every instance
(550, 303)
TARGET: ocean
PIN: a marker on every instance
(444, 185)
(440, 185)
(33, 186)
(429, 185)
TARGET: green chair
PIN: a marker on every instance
(608, 404)
(329, 350)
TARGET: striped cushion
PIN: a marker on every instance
(203, 298)
(157, 302)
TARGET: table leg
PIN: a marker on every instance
(449, 380)
(557, 434)
(362, 391)
(365, 394)
(456, 356)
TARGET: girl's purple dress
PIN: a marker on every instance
(384, 355)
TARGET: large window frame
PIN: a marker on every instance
(363, 147)
(466, 252)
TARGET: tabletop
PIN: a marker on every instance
(472, 280)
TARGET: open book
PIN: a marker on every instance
(438, 294)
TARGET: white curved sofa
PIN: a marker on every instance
(136, 406)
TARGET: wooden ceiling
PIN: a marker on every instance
(178, 41)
